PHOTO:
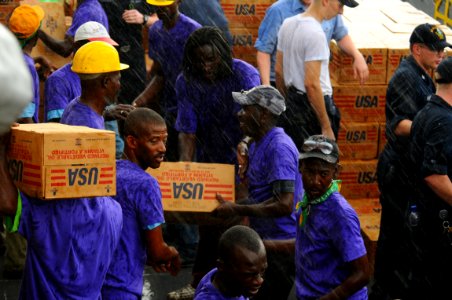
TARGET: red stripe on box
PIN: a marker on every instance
(33, 167)
(105, 181)
(58, 178)
(165, 190)
(214, 198)
(219, 192)
(164, 183)
(218, 186)
(106, 169)
(32, 183)
(106, 175)
(57, 171)
(33, 175)
(58, 184)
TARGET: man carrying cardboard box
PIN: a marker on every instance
(274, 185)
(139, 195)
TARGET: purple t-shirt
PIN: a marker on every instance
(273, 158)
(60, 88)
(139, 195)
(207, 291)
(89, 10)
(70, 246)
(329, 240)
(209, 111)
(167, 47)
(34, 114)
(80, 114)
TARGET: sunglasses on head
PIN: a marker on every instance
(324, 147)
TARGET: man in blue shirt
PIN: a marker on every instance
(140, 198)
(431, 154)
(268, 38)
(406, 95)
(274, 184)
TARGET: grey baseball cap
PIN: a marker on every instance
(264, 95)
(321, 147)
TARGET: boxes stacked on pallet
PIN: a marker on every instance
(381, 31)
(244, 18)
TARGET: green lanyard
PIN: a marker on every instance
(305, 204)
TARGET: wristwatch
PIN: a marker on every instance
(145, 19)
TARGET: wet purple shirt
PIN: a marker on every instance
(139, 195)
(36, 96)
(89, 10)
(77, 113)
(167, 47)
(60, 88)
(329, 240)
(273, 158)
(70, 246)
(207, 291)
(209, 111)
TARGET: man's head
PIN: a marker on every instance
(319, 164)
(427, 43)
(167, 10)
(261, 106)
(332, 8)
(92, 31)
(97, 64)
(145, 137)
(443, 74)
(242, 261)
(207, 54)
(24, 22)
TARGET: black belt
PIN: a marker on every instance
(293, 89)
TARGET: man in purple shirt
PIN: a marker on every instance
(25, 22)
(331, 260)
(139, 195)
(64, 85)
(97, 64)
(274, 185)
(206, 118)
(167, 39)
(240, 267)
(87, 10)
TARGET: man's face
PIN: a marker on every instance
(151, 145)
(317, 176)
(335, 7)
(428, 58)
(250, 119)
(168, 14)
(113, 86)
(207, 62)
(245, 271)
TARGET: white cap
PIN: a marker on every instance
(15, 80)
(93, 31)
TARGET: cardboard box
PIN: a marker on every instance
(51, 160)
(245, 13)
(369, 214)
(243, 40)
(358, 140)
(191, 187)
(341, 65)
(360, 103)
(359, 179)
(382, 138)
(54, 24)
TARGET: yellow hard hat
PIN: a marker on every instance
(160, 2)
(97, 57)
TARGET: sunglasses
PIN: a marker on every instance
(324, 147)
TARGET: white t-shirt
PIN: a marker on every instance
(302, 39)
